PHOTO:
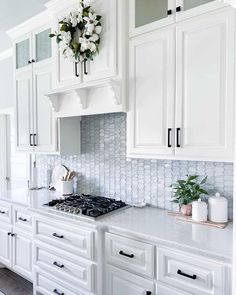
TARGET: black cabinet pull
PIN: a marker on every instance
(34, 139)
(31, 137)
(57, 292)
(85, 67)
(2, 212)
(76, 69)
(178, 144)
(29, 62)
(169, 137)
(22, 219)
(193, 277)
(169, 12)
(8, 234)
(33, 60)
(58, 264)
(148, 293)
(178, 8)
(58, 236)
(127, 255)
(13, 235)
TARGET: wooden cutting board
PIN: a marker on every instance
(181, 217)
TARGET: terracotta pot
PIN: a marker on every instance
(186, 209)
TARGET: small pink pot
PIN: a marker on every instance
(186, 209)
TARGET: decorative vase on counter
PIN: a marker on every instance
(199, 212)
(186, 209)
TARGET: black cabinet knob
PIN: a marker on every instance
(178, 9)
(169, 12)
(29, 62)
(148, 293)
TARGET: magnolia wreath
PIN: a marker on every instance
(79, 33)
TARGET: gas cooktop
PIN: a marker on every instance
(86, 205)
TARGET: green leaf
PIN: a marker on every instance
(52, 35)
(204, 180)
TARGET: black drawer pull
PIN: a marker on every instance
(127, 255)
(57, 292)
(58, 264)
(193, 277)
(2, 212)
(169, 12)
(22, 219)
(85, 67)
(58, 236)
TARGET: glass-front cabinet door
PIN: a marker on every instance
(23, 53)
(189, 4)
(42, 45)
(150, 14)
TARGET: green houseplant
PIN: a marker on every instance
(186, 191)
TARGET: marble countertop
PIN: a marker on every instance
(150, 224)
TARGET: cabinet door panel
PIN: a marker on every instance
(104, 63)
(5, 244)
(22, 254)
(45, 124)
(24, 107)
(205, 87)
(152, 82)
(43, 45)
(121, 282)
(23, 52)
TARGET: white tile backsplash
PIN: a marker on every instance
(104, 170)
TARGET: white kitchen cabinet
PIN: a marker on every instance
(159, 13)
(121, 282)
(5, 245)
(152, 83)
(205, 86)
(23, 108)
(198, 117)
(67, 72)
(22, 253)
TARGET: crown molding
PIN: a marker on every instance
(6, 54)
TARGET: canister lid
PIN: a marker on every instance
(217, 198)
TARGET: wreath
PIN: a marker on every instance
(79, 33)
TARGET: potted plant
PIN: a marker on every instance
(187, 191)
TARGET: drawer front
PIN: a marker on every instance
(76, 241)
(164, 290)
(44, 284)
(193, 274)
(5, 212)
(79, 272)
(22, 218)
(130, 254)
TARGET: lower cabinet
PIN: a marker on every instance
(122, 282)
(16, 250)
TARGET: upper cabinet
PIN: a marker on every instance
(31, 48)
(82, 83)
(182, 90)
(159, 13)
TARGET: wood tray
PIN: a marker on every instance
(184, 218)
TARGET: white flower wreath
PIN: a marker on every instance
(79, 35)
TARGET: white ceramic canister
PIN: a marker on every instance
(199, 211)
(218, 209)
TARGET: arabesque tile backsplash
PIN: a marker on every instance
(104, 169)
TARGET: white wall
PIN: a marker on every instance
(6, 83)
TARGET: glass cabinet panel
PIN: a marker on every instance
(43, 45)
(188, 4)
(148, 11)
(22, 53)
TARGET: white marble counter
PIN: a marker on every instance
(151, 224)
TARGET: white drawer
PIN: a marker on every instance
(5, 212)
(46, 284)
(22, 217)
(130, 254)
(76, 271)
(72, 239)
(164, 290)
(193, 274)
